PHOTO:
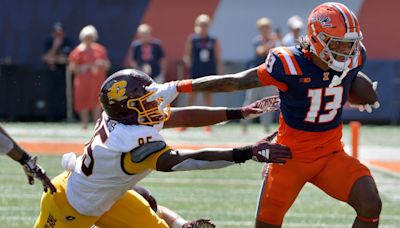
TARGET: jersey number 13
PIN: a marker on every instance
(331, 107)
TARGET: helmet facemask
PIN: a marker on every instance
(336, 60)
(148, 112)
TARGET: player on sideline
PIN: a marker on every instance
(314, 80)
(32, 170)
(127, 145)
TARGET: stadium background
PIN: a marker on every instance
(24, 26)
(227, 196)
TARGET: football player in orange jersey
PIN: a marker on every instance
(314, 80)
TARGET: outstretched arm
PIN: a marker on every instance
(216, 83)
(32, 170)
(226, 83)
(198, 116)
(262, 151)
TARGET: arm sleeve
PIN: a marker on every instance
(271, 72)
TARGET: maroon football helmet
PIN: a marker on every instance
(123, 98)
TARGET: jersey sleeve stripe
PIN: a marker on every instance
(266, 79)
(289, 62)
(294, 61)
(284, 62)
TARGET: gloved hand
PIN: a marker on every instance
(33, 170)
(259, 107)
(166, 91)
(204, 223)
(368, 107)
(266, 151)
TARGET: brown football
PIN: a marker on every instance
(361, 91)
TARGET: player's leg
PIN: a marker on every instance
(364, 198)
(55, 210)
(96, 112)
(346, 179)
(131, 210)
(176, 221)
(84, 116)
(170, 217)
(92, 96)
(282, 184)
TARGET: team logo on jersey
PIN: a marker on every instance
(117, 92)
(323, 19)
(326, 76)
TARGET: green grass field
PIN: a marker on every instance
(227, 196)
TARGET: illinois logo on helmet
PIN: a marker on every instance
(330, 24)
(123, 98)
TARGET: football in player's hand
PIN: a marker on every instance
(362, 91)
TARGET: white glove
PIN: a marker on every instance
(166, 91)
(369, 107)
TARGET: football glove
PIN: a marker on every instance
(199, 223)
(266, 151)
(257, 108)
(166, 91)
(33, 170)
(368, 107)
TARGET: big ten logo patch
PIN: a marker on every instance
(117, 92)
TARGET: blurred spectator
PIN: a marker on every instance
(262, 43)
(89, 63)
(202, 56)
(295, 24)
(56, 50)
(146, 54)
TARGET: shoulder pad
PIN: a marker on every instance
(142, 152)
(288, 60)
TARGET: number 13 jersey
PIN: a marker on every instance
(311, 111)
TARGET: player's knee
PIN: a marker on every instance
(370, 207)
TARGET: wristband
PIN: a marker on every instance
(24, 158)
(234, 114)
(184, 86)
(242, 154)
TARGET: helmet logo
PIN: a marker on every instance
(323, 19)
(117, 92)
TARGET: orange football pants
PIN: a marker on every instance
(335, 174)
